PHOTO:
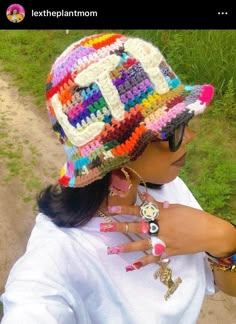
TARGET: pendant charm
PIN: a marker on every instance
(165, 275)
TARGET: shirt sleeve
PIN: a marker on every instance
(37, 292)
(38, 312)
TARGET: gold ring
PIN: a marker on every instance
(150, 243)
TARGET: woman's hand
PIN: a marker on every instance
(183, 229)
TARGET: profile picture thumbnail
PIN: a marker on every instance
(15, 13)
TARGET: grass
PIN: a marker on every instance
(210, 171)
(197, 56)
(13, 155)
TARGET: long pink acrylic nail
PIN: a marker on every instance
(115, 249)
(107, 227)
(144, 227)
(164, 257)
(114, 209)
(134, 266)
(166, 204)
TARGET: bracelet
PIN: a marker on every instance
(230, 260)
(213, 265)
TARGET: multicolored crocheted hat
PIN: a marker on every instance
(108, 95)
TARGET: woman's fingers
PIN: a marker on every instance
(141, 245)
(125, 210)
(134, 210)
(155, 248)
(126, 227)
(142, 262)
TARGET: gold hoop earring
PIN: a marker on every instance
(120, 183)
(141, 180)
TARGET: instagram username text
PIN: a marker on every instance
(63, 13)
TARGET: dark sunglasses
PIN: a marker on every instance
(175, 139)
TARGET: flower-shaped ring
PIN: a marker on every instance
(149, 211)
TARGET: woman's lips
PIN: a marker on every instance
(181, 161)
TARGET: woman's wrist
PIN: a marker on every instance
(222, 242)
(228, 261)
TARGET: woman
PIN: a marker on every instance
(15, 16)
(104, 248)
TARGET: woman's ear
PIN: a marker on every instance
(120, 183)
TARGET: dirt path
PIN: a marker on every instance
(30, 158)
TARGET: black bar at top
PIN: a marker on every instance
(118, 15)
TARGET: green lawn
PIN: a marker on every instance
(197, 56)
(1, 310)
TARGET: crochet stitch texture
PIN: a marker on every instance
(108, 96)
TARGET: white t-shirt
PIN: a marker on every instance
(66, 276)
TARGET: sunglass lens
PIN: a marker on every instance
(176, 139)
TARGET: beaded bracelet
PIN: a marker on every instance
(224, 264)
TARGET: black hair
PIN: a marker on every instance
(13, 10)
(70, 207)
